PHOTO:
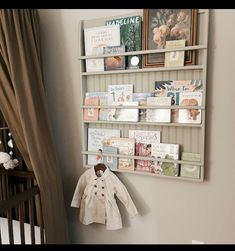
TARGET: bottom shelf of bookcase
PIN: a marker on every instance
(153, 175)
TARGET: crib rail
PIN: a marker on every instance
(20, 200)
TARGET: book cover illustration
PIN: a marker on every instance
(142, 99)
(120, 93)
(117, 114)
(103, 100)
(91, 113)
(96, 139)
(125, 146)
(116, 62)
(130, 33)
(143, 147)
(190, 115)
(173, 88)
(175, 58)
(165, 151)
(95, 39)
(190, 171)
(110, 161)
(158, 115)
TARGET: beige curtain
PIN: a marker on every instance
(23, 104)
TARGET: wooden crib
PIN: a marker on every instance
(21, 219)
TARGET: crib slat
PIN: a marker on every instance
(21, 218)
(9, 212)
(41, 222)
(31, 214)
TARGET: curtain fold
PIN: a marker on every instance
(23, 104)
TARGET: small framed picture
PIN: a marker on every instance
(161, 25)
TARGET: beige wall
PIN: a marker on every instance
(170, 211)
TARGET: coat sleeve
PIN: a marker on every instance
(124, 197)
(81, 185)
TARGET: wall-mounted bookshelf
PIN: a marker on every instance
(190, 136)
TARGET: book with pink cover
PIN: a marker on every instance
(126, 146)
(143, 147)
(91, 113)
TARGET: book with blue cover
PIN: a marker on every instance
(110, 161)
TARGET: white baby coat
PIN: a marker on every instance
(95, 197)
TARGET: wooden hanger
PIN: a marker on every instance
(100, 167)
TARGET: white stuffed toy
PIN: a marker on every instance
(7, 162)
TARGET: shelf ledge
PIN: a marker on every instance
(142, 70)
(153, 175)
(195, 163)
(143, 52)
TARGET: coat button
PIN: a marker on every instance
(102, 187)
(95, 185)
(95, 193)
(102, 194)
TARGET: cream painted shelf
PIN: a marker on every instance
(190, 137)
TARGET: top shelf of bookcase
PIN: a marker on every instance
(143, 52)
(142, 70)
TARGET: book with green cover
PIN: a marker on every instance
(190, 171)
(130, 34)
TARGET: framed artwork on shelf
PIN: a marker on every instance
(161, 25)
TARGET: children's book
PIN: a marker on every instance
(173, 88)
(142, 99)
(91, 113)
(158, 115)
(190, 115)
(126, 146)
(117, 114)
(110, 161)
(175, 58)
(103, 100)
(166, 151)
(98, 137)
(120, 93)
(131, 36)
(143, 147)
(96, 38)
(190, 171)
(115, 62)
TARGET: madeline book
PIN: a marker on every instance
(115, 62)
(130, 34)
